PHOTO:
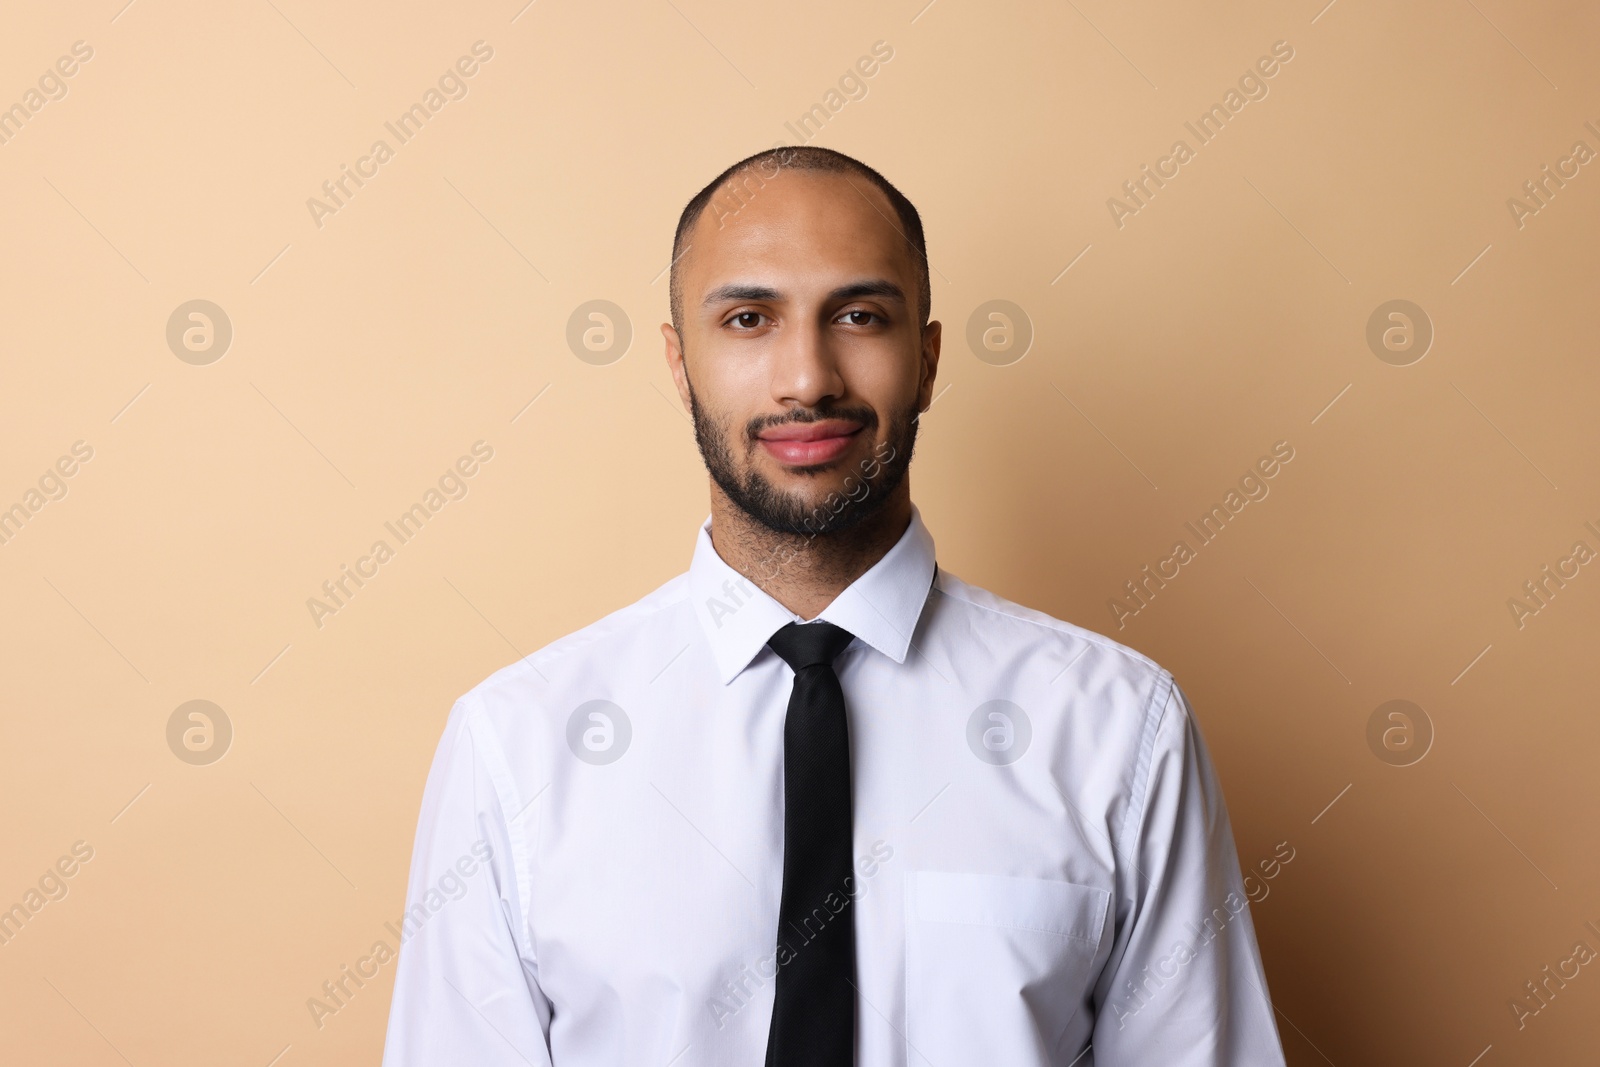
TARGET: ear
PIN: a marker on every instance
(932, 335)
(680, 376)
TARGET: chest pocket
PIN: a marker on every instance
(996, 966)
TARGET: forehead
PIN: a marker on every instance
(798, 224)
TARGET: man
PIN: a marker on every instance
(818, 801)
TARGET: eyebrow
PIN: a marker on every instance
(871, 287)
(736, 291)
(875, 287)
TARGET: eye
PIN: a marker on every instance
(746, 320)
(860, 317)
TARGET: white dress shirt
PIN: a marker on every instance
(1045, 869)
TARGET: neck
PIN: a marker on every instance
(805, 572)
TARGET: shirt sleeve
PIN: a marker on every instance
(1187, 989)
(466, 985)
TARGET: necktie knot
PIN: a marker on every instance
(809, 644)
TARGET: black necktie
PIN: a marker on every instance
(814, 1015)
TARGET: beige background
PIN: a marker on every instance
(370, 352)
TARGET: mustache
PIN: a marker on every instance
(863, 415)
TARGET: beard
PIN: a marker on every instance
(789, 513)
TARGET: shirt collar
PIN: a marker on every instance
(880, 608)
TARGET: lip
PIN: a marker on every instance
(806, 444)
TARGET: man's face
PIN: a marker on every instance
(802, 341)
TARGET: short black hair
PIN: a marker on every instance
(763, 167)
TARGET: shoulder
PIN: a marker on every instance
(1029, 630)
(530, 682)
(1110, 697)
(1112, 700)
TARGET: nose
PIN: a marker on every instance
(805, 368)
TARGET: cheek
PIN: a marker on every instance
(886, 381)
(731, 374)
(728, 389)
